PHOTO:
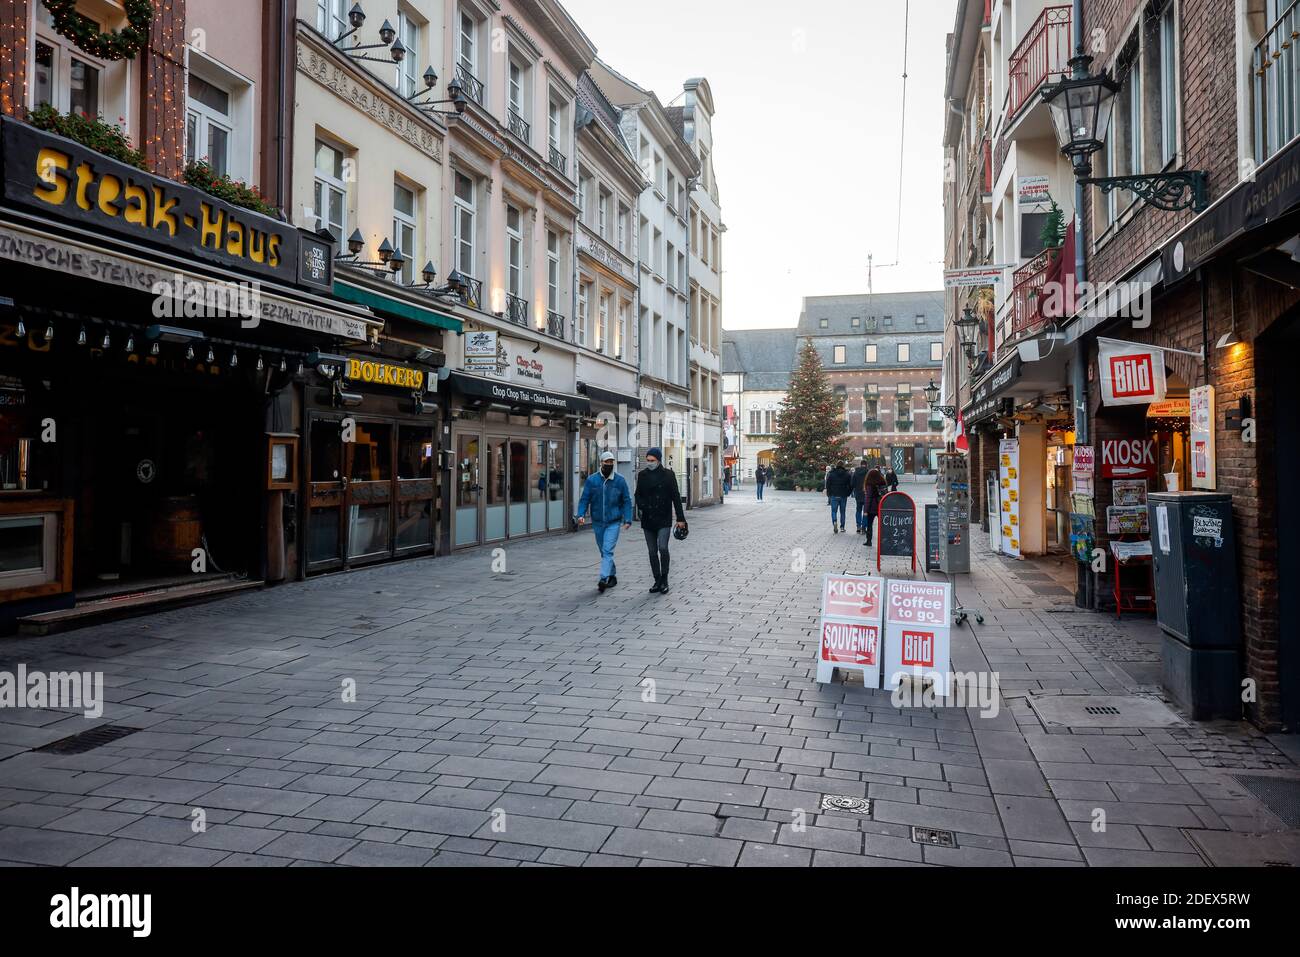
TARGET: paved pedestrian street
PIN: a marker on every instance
(514, 717)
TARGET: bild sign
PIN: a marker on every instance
(1131, 374)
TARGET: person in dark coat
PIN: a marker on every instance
(860, 493)
(839, 485)
(657, 498)
(761, 477)
(875, 489)
(890, 477)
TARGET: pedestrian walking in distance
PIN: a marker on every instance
(606, 496)
(839, 485)
(657, 498)
(875, 489)
(860, 494)
(890, 477)
(760, 479)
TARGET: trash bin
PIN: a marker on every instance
(1198, 603)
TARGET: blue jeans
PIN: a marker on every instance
(839, 504)
(858, 505)
(760, 491)
(606, 539)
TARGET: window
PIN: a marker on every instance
(404, 230)
(462, 224)
(64, 76)
(468, 43)
(514, 252)
(584, 184)
(920, 322)
(620, 331)
(555, 125)
(839, 356)
(332, 17)
(936, 352)
(623, 215)
(1122, 154)
(823, 323)
(855, 322)
(208, 125)
(888, 322)
(672, 191)
(552, 271)
(331, 191)
(602, 323)
(1160, 79)
(584, 296)
(870, 353)
(602, 212)
(904, 352)
(717, 265)
(408, 79)
(671, 266)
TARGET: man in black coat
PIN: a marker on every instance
(657, 497)
(839, 484)
(860, 493)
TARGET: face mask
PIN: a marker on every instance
(651, 464)
(607, 468)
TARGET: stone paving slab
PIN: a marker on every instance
(521, 719)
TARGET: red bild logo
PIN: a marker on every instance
(1131, 375)
(918, 648)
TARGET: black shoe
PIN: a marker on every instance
(867, 543)
(602, 585)
(656, 588)
(663, 587)
(613, 580)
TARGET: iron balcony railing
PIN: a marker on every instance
(1275, 92)
(473, 292)
(1027, 295)
(1041, 56)
(471, 84)
(518, 125)
(517, 310)
(555, 324)
(559, 161)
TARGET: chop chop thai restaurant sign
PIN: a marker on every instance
(1130, 373)
(63, 180)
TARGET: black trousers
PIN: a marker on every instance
(656, 540)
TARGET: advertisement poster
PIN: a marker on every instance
(1201, 415)
(1083, 469)
(1009, 495)
(1129, 492)
(1127, 520)
(917, 640)
(850, 630)
(1130, 373)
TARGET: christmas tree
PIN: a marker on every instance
(810, 431)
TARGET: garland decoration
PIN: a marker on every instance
(107, 45)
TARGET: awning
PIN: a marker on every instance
(388, 305)
(510, 393)
(608, 397)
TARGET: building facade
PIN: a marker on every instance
(756, 368)
(880, 352)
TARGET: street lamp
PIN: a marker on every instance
(968, 331)
(1081, 106)
(389, 258)
(932, 398)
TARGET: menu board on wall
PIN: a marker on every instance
(1009, 495)
(1201, 415)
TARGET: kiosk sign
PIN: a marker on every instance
(850, 633)
(917, 638)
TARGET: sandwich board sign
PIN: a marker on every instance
(850, 629)
(918, 616)
(896, 528)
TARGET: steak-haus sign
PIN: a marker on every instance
(62, 180)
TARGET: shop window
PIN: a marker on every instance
(372, 453)
(29, 550)
(415, 453)
(326, 451)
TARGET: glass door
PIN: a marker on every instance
(417, 488)
(467, 493)
(498, 488)
(327, 485)
(556, 519)
(518, 487)
(370, 492)
(537, 479)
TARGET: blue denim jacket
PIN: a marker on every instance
(610, 501)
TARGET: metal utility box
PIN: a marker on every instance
(953, 494)
(1198, 603)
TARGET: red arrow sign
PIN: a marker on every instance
(850, 643)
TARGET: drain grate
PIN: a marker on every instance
(934, 837)
(1101, 709)
(846, 802)
(87, 740)
(1279, 795)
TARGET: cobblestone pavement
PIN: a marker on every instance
(501, 719)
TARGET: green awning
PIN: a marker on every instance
(387, 305)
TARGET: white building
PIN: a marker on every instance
(756, 368)
(667, 164)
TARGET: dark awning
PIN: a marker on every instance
(511, 393)
(608, 397)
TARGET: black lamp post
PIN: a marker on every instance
(968, 330)
(932, 398)
(1081, 106)
(389, 258)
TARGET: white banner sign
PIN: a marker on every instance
(1201, 415)
(850, 627)
(1130, 373)
(1033, 190)
(918, 616)
(1009, 495)
(973, 276)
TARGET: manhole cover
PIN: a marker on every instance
(1102, 711)
(1279, 795)
(87, 740)
(934, 837)
(845, 802)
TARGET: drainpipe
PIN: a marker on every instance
(690, 319)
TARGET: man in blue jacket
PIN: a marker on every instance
(606, 495)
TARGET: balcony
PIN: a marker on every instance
(872, 425)
(1026, 315)
(519, 126)
(471, 84)
(517, 310)
(1000, 150)
(555, 325)
(559, 162)
(1042, 56)
(1275, 87)
(473, 293)
(903, 425)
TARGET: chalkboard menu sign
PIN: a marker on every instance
(897, 528)
(933, 537)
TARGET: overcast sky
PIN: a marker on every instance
(806, 139)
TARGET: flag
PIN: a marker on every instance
(962, 444)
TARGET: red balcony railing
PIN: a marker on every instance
(986, 161)
(1041, 56)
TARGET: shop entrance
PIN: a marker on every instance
(1273, 352)
(507, 486)
(169, 465)
(902, 459)
(372, 498)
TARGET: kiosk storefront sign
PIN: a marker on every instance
(850, 628)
